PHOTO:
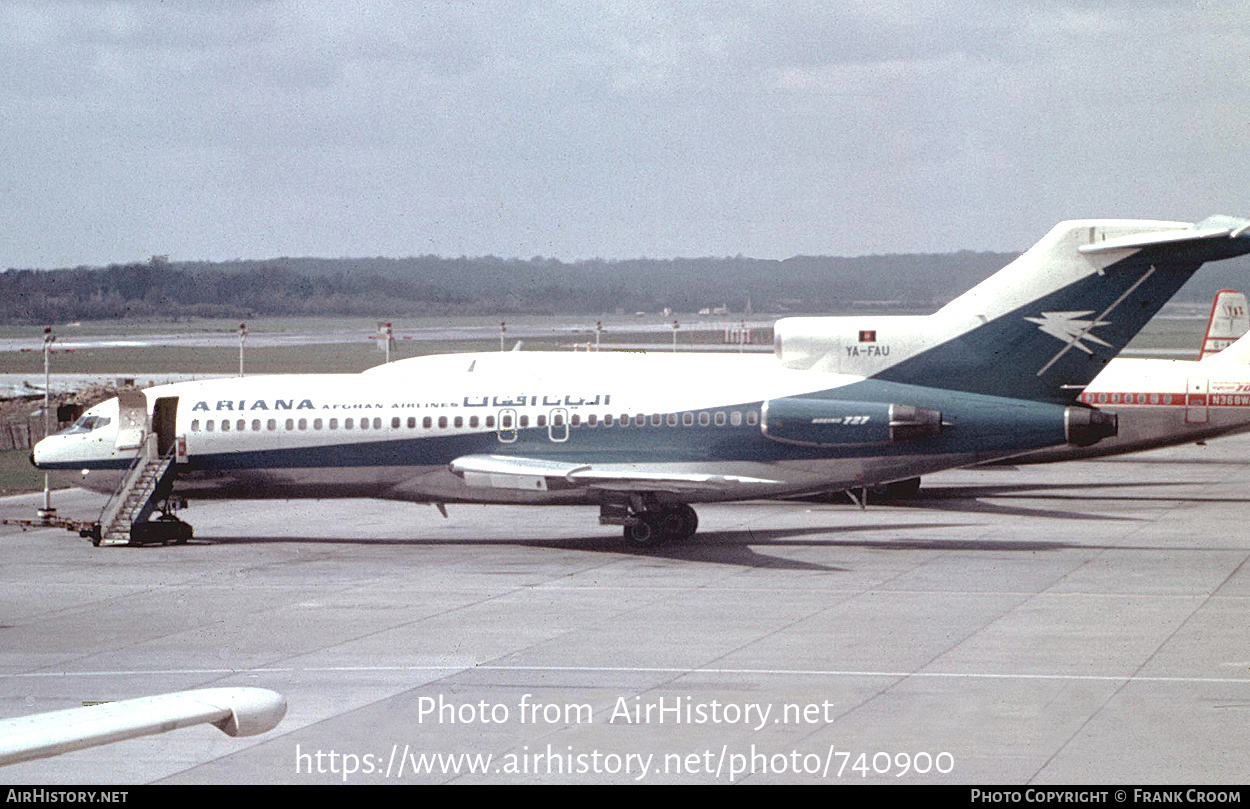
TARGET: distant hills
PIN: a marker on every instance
(433, 285)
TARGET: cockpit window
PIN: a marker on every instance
(88, 423)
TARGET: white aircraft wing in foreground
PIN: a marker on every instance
(236, 711)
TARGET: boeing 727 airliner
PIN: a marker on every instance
(645, 436)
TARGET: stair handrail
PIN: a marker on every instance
(141, 458)
(165, 461)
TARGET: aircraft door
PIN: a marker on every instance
(132, 423)
(1196, 400)
(507, 426)
(558, 425)
(164, 422)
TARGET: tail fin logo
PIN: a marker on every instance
(1071, 328)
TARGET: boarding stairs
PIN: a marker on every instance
(147, 482)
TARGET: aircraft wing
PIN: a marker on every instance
(236, 711)
(536, 474)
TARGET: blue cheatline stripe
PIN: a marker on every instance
(977, 423)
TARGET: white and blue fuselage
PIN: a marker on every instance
(700, 427)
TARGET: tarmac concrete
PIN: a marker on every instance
(1065, 624)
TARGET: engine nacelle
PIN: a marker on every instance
(825, 422)
(1085, 426)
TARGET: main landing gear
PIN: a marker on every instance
(649, 522)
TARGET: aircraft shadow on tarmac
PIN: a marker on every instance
(740, 548)
(973, 499)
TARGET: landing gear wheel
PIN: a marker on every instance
(678, 522)
(668, 524)
(673, 523)
(646, 531)
(691, 520)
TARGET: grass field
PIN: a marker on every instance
(329, 358)
(17, 475)
(313, 357)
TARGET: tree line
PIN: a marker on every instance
(433, 285)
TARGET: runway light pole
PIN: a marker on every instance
(47, 512)
(242, 339)
(386, 334)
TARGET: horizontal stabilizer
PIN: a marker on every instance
(1137, 241)
(536, 474)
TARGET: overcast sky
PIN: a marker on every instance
(216, 130)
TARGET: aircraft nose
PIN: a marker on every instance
(39, 454)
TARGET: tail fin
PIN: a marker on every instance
(1236, 354)
(1229, 320)
(1046, 324)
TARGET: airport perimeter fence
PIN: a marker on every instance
(22, 434)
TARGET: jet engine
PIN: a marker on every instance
(824, 422)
